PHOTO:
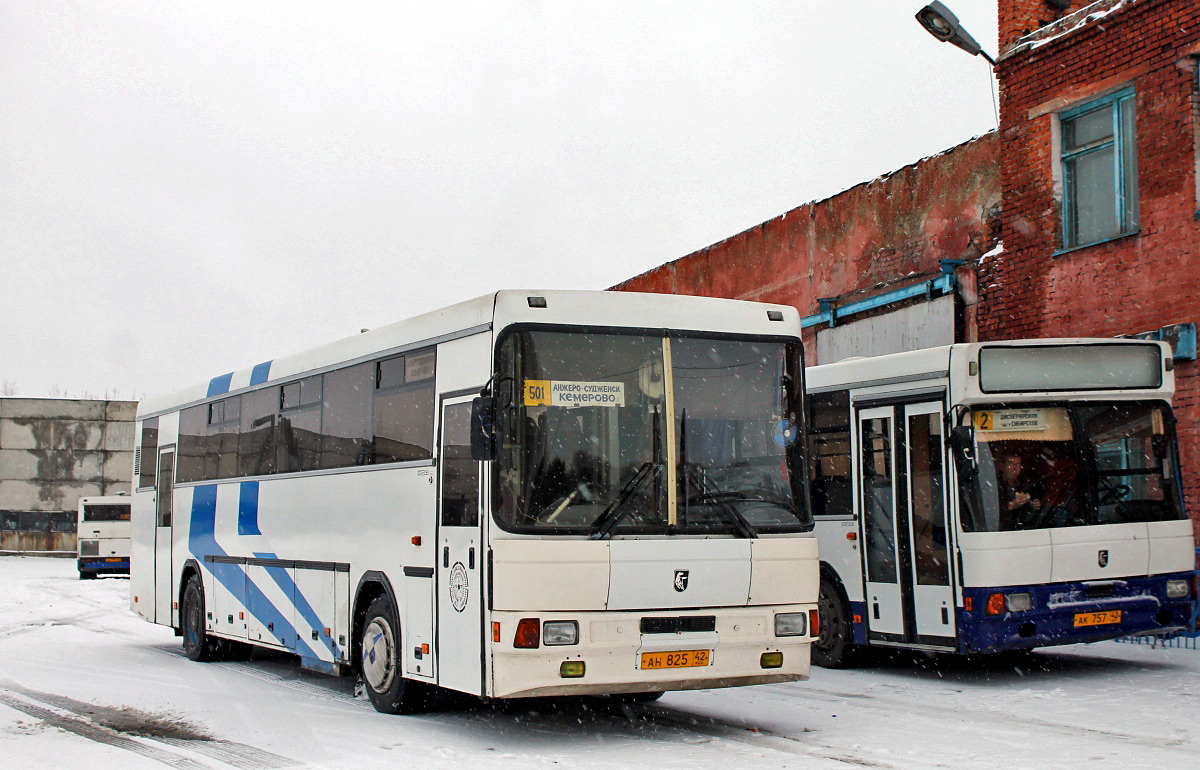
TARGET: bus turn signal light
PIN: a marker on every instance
(528, 633)
(496, 631)
(995, 604)
(814, 623)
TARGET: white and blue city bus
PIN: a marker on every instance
(526, 494)
(102, 532)
(984, 497)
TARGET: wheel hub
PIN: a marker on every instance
(378, 654)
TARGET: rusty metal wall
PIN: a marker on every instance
(52, 452)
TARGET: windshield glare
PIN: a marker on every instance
(1040, 467)
(585, 446)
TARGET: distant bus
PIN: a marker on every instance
(622, 510)
(103, 535)
(998, 496)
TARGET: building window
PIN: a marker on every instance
(1099, 168)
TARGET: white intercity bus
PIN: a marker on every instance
(527, 494)
(102, 531)
(978, 498)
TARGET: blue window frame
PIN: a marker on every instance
(1099, 169)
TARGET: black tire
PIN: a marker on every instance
(197, 644)
(638, 697)
(834, 647)
(87, 575)
(381, 666)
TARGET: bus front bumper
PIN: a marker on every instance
(617, 657)
(1071, 613)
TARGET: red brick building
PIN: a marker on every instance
(1100, 137)
(1090, 184)
(874, 242)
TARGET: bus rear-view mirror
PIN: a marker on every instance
(483, 428)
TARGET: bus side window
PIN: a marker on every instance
(148, 454)
(404, 408)
(829, 453)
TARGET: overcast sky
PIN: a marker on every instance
(191, 188)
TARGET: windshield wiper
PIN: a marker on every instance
(711, 494)
(722, 502)
(617, 509)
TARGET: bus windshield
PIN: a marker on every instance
(1081, 464)
(609, 434)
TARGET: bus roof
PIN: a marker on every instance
(497, 310)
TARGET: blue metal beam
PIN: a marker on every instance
(944, 284)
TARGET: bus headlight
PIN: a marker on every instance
(560, 632)
(1177, 589)
(92, 548)
(791, 624)
(1019, 602)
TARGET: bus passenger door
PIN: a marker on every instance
(460, 555)
(164, 506)
(932, 594)
(879, 506)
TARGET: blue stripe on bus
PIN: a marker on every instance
(248, 509)
(219, 384)
(285, 582)
(261, 373)
(202, 542)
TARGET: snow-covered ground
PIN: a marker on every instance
(85, 683)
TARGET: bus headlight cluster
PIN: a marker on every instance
(560, 632)
(89, 547)
(1177, 589)
(791, 624)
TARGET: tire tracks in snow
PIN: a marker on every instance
(67, 620)
(87, 721)
(651, 715)
(892, 704)
(758, 737)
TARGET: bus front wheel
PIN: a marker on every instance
(834, 645)
(381, 665)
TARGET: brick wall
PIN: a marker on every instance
(890, 231)
(1139, 282)
(1018, 18)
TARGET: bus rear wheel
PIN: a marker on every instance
(197, 644)
(381, 664)
(834, 645)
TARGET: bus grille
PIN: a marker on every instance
(679, 625)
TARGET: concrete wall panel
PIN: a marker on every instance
(52, 408)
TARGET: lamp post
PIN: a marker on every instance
(944, 25)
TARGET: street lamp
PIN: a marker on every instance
(942, 24)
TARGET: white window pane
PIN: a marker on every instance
(1092, 193)
(1087, 129)
(1128, 141)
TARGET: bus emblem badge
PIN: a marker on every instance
(458, 587)
(681, 580)
(1102, 558)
